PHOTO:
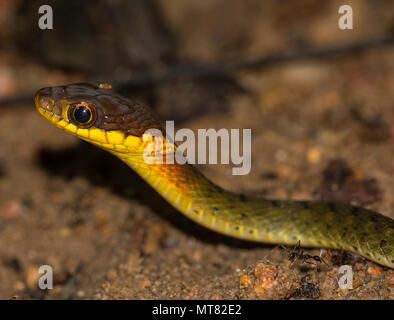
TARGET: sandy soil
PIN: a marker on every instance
(320, 130)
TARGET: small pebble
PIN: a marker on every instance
(314, 155)
(374, 271)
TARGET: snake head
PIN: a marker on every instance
(95, 114)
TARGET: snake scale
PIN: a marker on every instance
(114, 123)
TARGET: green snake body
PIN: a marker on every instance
(118, 128)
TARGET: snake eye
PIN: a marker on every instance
(82, 114)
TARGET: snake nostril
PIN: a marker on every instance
(47, 103)
(43, 99)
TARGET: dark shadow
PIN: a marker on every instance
(2, 169)
(102, 169)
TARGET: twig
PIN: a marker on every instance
(19, 99)
(145, 79)
(150, 79)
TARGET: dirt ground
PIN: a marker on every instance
(320, 130)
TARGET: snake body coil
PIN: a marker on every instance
(116, 124)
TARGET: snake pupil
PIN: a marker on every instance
(82, 114)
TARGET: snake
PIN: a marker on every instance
(102, 117)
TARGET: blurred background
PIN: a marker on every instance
(319, 101)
